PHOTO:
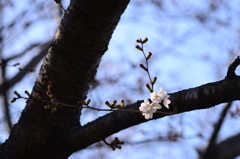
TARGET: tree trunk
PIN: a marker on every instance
(70, 64)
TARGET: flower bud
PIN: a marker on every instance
(149, 55)
(53, 100)
(45, 77)
(114, 102)
(149, 88)
(88, 101)
(116, 107)
(49, 85)
(117, 146)
(108, 104)
(36, 94)
(121, 142)
(113, 148)
(145, 40)
(138, 47)
(17, 94)
(26, 92)
(13, 100)
(138, 41)
(154, 80)
(42, 82)
(54, 109)
(143, 67)
(83, 102)
(49, 93)
(116, 140)
(122, 103)
(47, 107)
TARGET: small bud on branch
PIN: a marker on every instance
(138, 47)
(143, 67)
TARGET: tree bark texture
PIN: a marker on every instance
(71, 63)
(202, 97)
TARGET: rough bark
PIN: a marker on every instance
(71, 64)
(202, 97)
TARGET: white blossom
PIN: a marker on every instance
(145, 108)
(166, 103)
(148, 108)
(148, 114)
(164, 97)
(155, 106)
(155, 97)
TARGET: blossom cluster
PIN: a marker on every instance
(148, 108)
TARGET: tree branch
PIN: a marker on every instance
(201, 97)
(227, 149)
(5, 105)
(71, 64)
(9, 83)
(231, 145)
(4, 92)
(207, 152)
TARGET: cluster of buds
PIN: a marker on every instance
(142, 41)
(18, 97)
(48, 84)
(54, 104)
(116, 143)
(29, 99)
(84, 102)
(114, 104)
(158, 98)
(145, 67)
(36, 96)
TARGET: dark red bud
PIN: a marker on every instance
(138, 41)
(138, 47)
(145, 40)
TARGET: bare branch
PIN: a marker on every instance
(217, 128)
(8, 84)
(227, 149)
(7, 115)
(201, 97)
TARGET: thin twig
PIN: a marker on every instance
(149, 76)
